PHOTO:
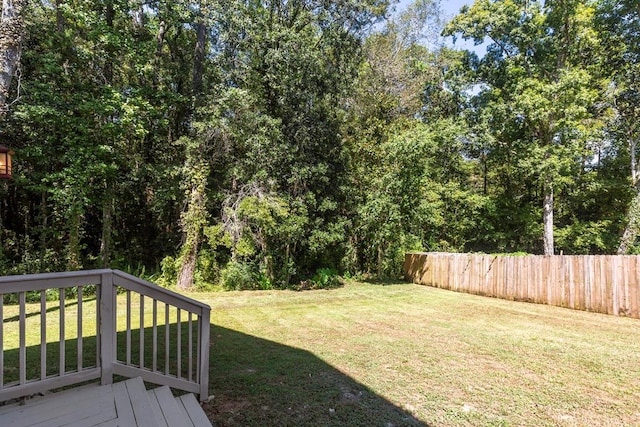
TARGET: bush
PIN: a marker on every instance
(237, 277)
(325, 278)
(169, 272)
(207, 274)
(263, 282)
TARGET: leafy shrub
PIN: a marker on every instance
(325, 278)
(169, 272)
(207, 274)
(237, 277)
(263, 282)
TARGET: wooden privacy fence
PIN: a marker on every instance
(600, 283)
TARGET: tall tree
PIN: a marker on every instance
(294, 63)
(196, 169)
(538, 87)
(619, 29)
(408, 175)
(11, 38)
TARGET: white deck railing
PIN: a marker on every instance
(140, 330)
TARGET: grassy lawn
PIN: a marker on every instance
(411, 355)
(403, 354)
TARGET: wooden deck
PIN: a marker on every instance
(124, 404)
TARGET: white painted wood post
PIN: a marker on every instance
(107, 327)
(204, 355)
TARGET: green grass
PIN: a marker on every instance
(403, 354)
(412, 355)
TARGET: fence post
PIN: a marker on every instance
(203, 343)
(107, 327)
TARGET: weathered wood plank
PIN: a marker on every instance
(633, 290)
(106, 347)
(194, 411)
(42, 411)
(95, 411)
(123, 405)
(169, 410)
(155, 377)
(600, 283)
(110, 423)
(156, 407)
(140, 402)
(140, 286)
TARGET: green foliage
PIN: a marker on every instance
(207, 275)
(539, 107)
(586, 238)
(326, 278)
(315, 139)
(168, 272)
(237, 276)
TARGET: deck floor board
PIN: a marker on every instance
(123, 404)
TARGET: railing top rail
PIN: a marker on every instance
(34, 282)
(43, 281)
(49, 276)
(158, 292)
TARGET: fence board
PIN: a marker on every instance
(633, 291)
(605, 284)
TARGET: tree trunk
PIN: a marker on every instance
(109, 14)
(107, 226)
(188, 267)
(198, 61)
(633, 216)
(11, 36)
(44, 226)
(74, 223)
(192, 222)
(547, 218)
(380, 261)
(631, 229)
(162, 27)
(195, 217)
(60, 21)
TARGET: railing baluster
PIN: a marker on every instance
(1, 341)
(166, 339)
(190, 341)
(106, 363)
(43, 335)
(154, 348)
(178, 346)
(23, 347)
(79, 342)
(141, 331)
(203, 350)
(98, 332)
(128, 327)
(198, 322)
(107, 327)
(114, 307)
(62, 334)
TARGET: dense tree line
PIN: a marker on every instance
(259, 144)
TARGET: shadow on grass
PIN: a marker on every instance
(257, 382)
(90, 357)
(49, 310)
